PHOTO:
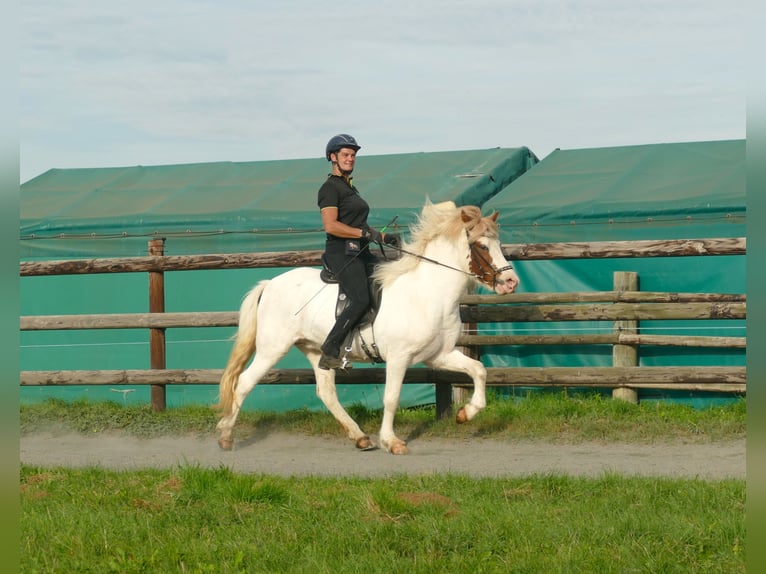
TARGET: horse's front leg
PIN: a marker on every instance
(394, 377)
(457, 361)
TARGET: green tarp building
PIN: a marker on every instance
(202, 209)
(663, 191)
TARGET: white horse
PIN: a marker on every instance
(418, 319)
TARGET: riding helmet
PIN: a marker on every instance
(340, 141)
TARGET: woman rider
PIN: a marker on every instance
(347, 253)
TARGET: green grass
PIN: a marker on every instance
(197, 520)
(549, 416)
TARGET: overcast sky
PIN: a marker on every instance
(107, 83)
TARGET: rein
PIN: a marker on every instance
(434, 261)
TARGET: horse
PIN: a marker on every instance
(418, 319)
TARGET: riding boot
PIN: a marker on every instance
(328, 362)
(331, 347)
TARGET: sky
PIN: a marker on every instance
(108, 84)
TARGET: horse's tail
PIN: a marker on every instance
(243, 350)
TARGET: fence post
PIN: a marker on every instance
(625, 355)
(157, 335)
(443, 400)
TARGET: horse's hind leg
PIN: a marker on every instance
(245, 384)
(457, 361)
(329, 396)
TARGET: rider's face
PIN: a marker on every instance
(346, 157)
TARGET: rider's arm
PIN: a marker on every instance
(334, 227)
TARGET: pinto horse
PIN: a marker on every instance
(418, 319)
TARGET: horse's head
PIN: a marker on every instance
(487, 263)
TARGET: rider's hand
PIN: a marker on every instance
(372, 235)
(392, 239)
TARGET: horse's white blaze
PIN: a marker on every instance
(507, 281)
(418, 321)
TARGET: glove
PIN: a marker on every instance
(372, 234)
(392, 239)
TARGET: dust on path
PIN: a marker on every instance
(286, 454)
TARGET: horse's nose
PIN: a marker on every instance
(509, 284)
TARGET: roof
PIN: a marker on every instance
(655, 191)
(255, 206)
(645, 191)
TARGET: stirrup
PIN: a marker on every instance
(345, 363)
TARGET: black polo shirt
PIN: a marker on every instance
(336, 192)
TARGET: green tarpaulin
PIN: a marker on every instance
(661, 191)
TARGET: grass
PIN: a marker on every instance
(550, 416)
(213, 520)
(196, 520)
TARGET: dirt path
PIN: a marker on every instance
(297, 455)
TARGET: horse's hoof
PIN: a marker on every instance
(461, 417)
(399, 448)
(225, 444)
(365, 443)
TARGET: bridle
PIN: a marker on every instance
(482, 269)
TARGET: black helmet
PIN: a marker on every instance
(340, 141)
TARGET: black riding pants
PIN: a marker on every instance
(352, 273)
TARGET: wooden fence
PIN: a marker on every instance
(625, 306)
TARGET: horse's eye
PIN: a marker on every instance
(483, 247)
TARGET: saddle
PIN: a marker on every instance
(367, 319)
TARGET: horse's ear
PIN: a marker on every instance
(465, 216)
(493, 217)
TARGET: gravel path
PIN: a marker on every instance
(296, 455)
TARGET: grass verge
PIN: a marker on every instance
(212, 520)
(549, 416)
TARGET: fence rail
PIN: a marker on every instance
(473, 309)
(723, 379)
(513, 251)
(624, 307)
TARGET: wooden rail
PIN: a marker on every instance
(230, 319)
(515, 252)
(725, 379)
(469, 314)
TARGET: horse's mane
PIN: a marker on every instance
(443, 219)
